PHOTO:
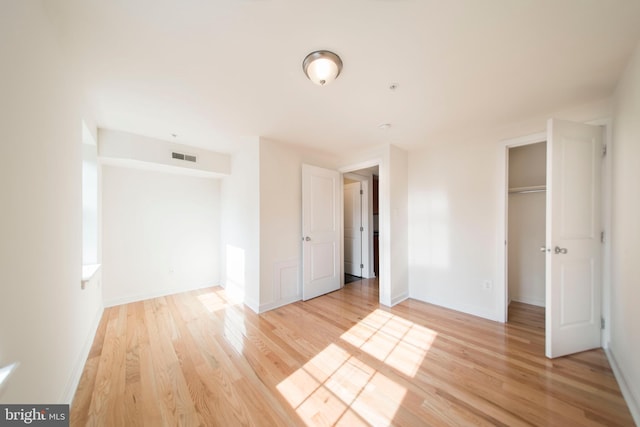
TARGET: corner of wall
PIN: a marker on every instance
(625, 245)
(633, 402)
(76, 374)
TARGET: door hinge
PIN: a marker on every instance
(602, 323)
(361, 192)
(604, 150)
(602, 237)
(361, 266)
(361, 228)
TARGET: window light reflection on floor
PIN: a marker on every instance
(338, 387)
(212, 301)
(393, 340)
(235, 330)
(334, 387)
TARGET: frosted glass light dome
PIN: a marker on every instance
(322, 67)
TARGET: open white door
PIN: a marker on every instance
(321, 224)
(353, 229)
(573, 257)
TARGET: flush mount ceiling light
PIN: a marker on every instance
(322, 66)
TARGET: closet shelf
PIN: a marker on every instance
(531, 189)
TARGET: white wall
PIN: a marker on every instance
(452, 205)
(526, 236)
(398, 214)
(161, 233)
(240, 221)
(281, 225)
(625, 235)
(528, 165)
(91, 194)
(47, 321)
(455, 198)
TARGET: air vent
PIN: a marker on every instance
(185, 157)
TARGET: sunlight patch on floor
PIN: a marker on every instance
(335, 387)
(392, 339)
(212, 301)
(235, 330)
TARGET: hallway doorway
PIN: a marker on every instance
(360, 224)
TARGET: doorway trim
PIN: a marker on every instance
(366, 222)
(384, 285)
(503, 194)
(503, 204)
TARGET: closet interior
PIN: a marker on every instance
(526, 233)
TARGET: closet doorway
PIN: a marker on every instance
(526, 216)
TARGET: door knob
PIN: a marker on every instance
(543, 249)
(560, 250)
(308, 239)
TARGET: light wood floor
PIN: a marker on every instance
(197, 359)
(528, 316)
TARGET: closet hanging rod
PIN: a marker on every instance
(532, 189)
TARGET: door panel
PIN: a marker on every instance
(320, 231)
(576, 281)
(322, 265)
(580, 159)
(573, 296)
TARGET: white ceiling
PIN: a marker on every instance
(216, 71)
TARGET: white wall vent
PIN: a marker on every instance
(182, 156)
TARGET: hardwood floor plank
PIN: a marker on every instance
(341, 359)
(109, 383)
(133, 389)
(80, 410)
(176, 405)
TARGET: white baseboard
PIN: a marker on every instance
(530, 301)
(464, 308)
(399, 298)
(280, 303)
(634, 406)
(253, 305)
(156, 294)
(72, 385)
